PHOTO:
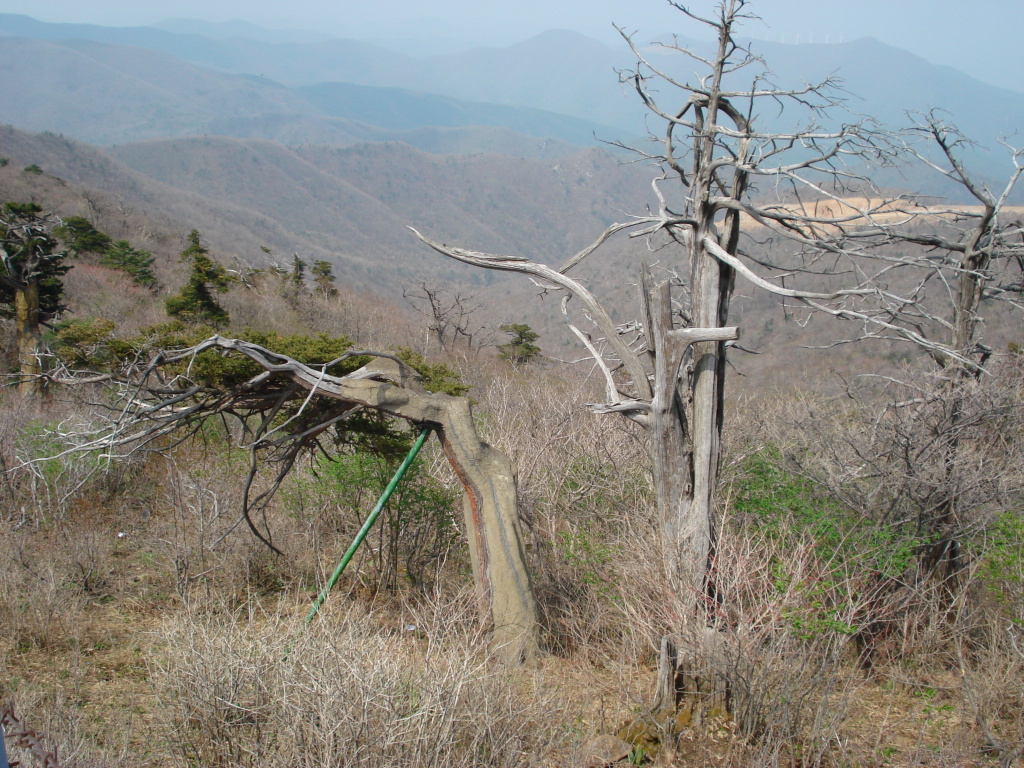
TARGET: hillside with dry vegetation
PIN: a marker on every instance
(143, 626)
(216, 350)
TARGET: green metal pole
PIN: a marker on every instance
(367, 525)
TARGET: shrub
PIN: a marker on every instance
(349, 694)
(416, 529)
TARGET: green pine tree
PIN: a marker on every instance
(323, 276)
(521, 348)
(31, 288)
(298, 276)
(196, 303)
(80, 236)
(134, 261)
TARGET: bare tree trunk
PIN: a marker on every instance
(683, 496)
(670, 446)
(26, 319)
(707, 425)
(504, 591)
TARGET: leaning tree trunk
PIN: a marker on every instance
(504, 592)
(26, 321)
(505, 598)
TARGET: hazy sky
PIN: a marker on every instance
(980, 37)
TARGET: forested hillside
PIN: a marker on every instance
(119, 94)
(572, 78)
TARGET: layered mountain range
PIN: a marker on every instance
(559, 85)
(331, 148)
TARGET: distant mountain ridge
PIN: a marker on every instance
(402, 109)
(559, 71)
(124, 85)
(556, 73)
(110, 94)
(226, 30)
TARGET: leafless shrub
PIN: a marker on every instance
(37, 489)
(782, 649)
(61, 730)
(97, 291)
(371, 322)
(819, 611)
(993, 692)
(86, 551)
(920, 452)
(202, 504)
(349, 694)
(38, 606)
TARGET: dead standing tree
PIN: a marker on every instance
(961, 258)
(665, 367)
(966, 265)
(975, 253)
(287, 407)
(976, 256)
(450, 315)
(791, 213)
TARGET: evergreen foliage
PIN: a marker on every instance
(298, 276)
(323, 276)
(80, 236)
(136, 262)
(437, 377)
(94, 344)
(521, 348)
(30, 255)
(196, 302)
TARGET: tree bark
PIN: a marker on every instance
(670, 446)
(682, 496)
(26, 321)
(504, 589)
